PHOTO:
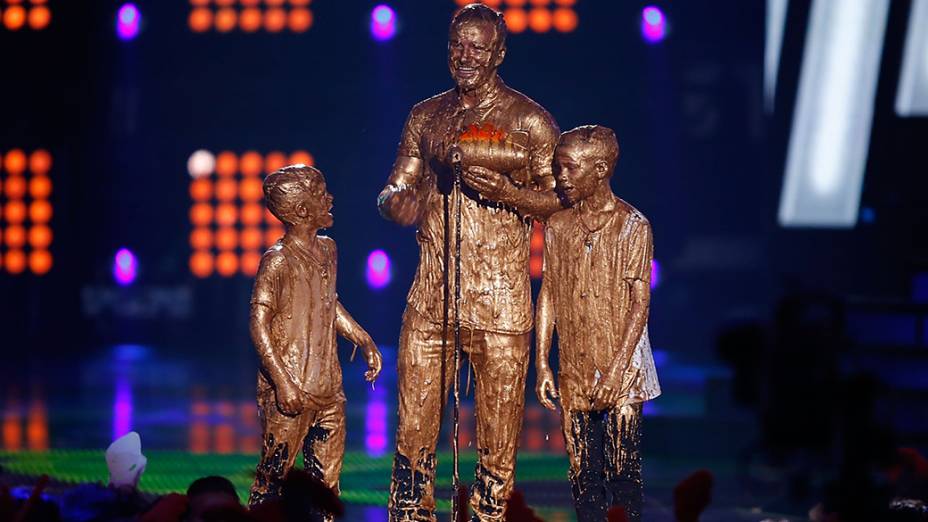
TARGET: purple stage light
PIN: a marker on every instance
(122, 407)
(127, 21)
(375, 425)
(655, 274)
(653, 24)
(383, 23)
(125, 267)
(378, 269)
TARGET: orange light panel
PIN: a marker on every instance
(248, 16)
(25, 211)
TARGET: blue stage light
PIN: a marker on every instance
(128, 20)
(383, 23)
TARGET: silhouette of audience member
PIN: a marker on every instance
(692, 495)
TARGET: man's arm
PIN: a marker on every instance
(400, 200)
(263, 298)
(347, 327)
(545, 387)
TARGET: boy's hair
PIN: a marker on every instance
(211, 484)
(600, 142)
(480, 13)
(283, 189)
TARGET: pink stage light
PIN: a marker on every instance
(128, 20)
(379, 272)
(653, 24)
(383, 23)
(125, 267)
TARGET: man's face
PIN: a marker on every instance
(318, 204)
(473, 56)
(575, 171)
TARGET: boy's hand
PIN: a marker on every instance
(608, 391)
(289, 399)
(545, 388)
(374, 360)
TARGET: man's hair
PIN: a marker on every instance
(283, 189)
(481, 13)
(600, 142)
(211, 484)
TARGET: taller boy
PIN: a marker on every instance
(596, 290)
(496, 308)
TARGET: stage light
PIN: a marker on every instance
(226, 238)
(15, 237)
(226, 214)
(40, 262)
(300, 20)
(39, 17)
(40, 187)
(226, 163)
(251, 189)
(250, 20)
(125, 267)
(536, 251)
(226, 189)
(302, 157)
(15, 261)
(201, 214)
(250, 262)
(516, 3)
(830, 136)
(40, 162)
(40, 211)
(225, 19)
(128, 21)
(251, 238)
(201, 163)
(201, 189)
(653, 24)
(201, 264)
(912, 92)
(226, 264)
(14, 17)
(375, 424)
(201, 238)
(122, 405)
(40, 237)
(200, 20)
(655, 274)
(251, 163)
(776, 24)
(251, 214)
(516, 20)
(272, 235)
(15, 162)
(383, 23)
(15, 187)
(564, 3)
(275, 20)
(378, 269)
(565, 20)
(539, 19)
(14, 212)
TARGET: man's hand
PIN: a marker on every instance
(545, 388)
(490, 184)
(289, 399)
(374, 360)
(608, 391)
(399, 203)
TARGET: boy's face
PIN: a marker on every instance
(316, 207)
(577, 172)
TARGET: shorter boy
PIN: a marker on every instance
(596, 291)
(295, 316)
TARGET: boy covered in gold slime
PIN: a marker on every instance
(295, 316)
(496, 308)
(596, 292)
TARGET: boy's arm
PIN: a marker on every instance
(610, 389)
(263, 298)
(348, 328)
(544, 329)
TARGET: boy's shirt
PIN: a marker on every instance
(589, 275)
(300, 292)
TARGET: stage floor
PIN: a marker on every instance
(197, 418)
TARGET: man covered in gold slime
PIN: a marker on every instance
(295, 316)
(496, 309)
(596, 292)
